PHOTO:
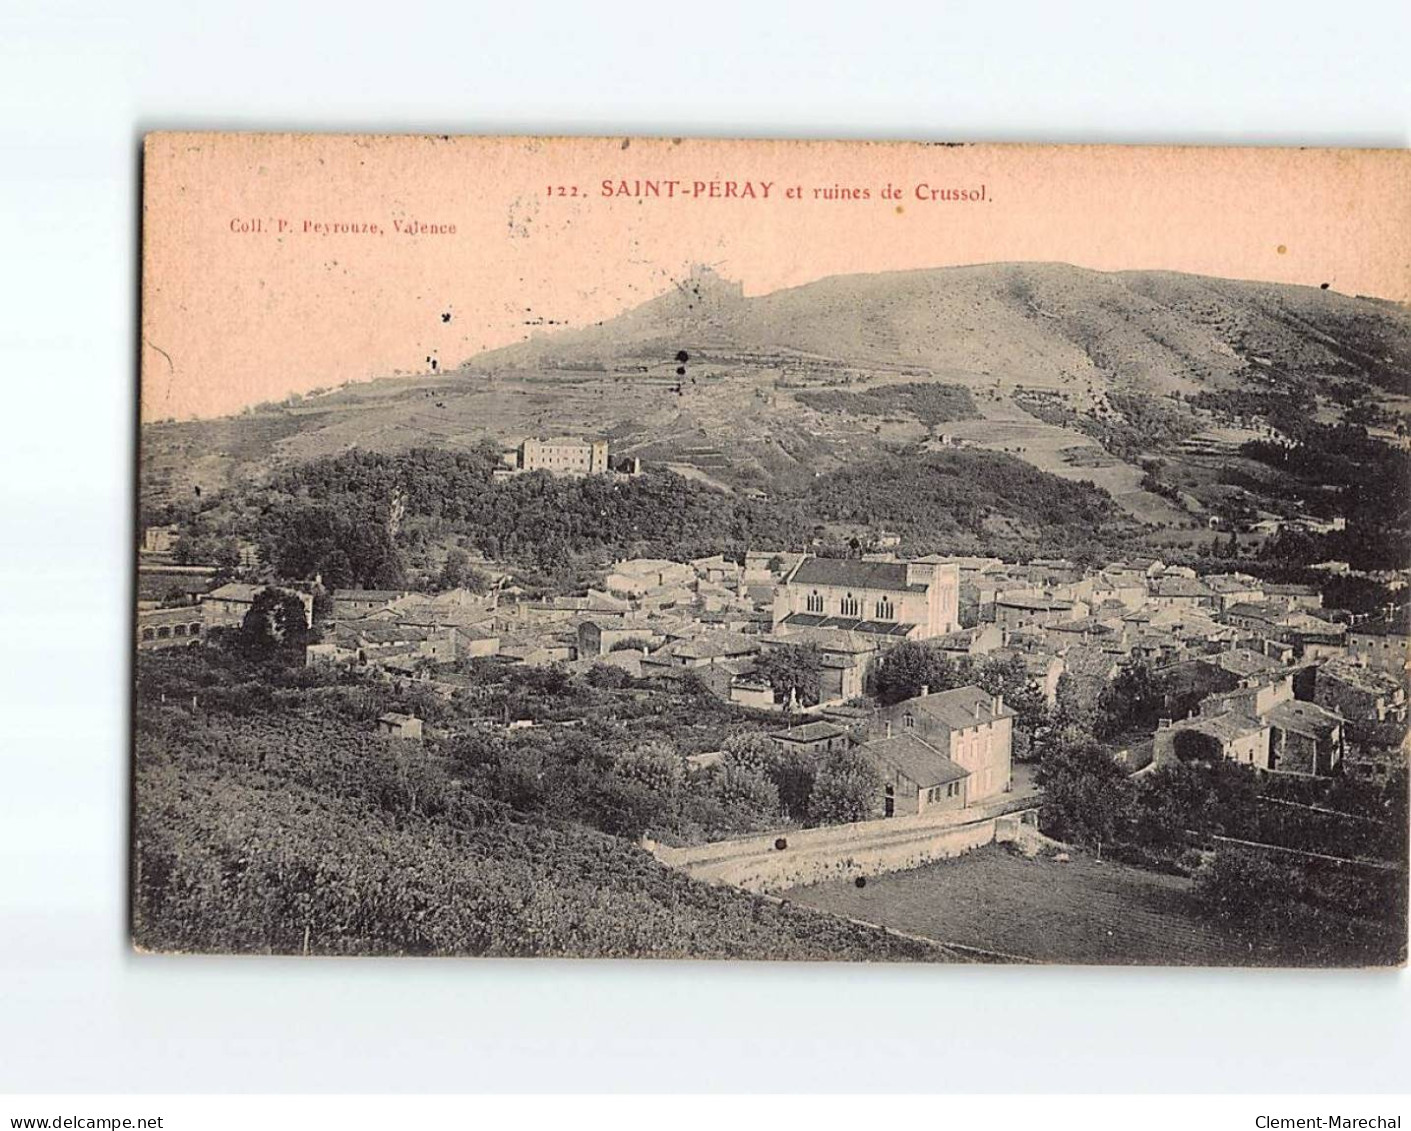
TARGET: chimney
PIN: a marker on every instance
(889, 728)
(998, 705)
(925, 690)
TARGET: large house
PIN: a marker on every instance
(561, 455)
(1383, 643)
(1260, 725)
(168, 628)
(916, 777)
(226, 607)
(897, 600)
(968, 726)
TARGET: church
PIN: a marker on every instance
(890, 600)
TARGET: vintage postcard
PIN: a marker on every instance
(789, 550)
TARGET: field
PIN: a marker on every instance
(1082, 912)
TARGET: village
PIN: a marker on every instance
(1251, 672)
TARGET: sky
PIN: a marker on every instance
(278, 264)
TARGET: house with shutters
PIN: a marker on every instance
(1384, 642)
(967, 725)
(916, 776)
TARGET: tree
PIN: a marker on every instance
(1133, 700)
(751, 749)
(792, 668)
(453, 569)
(1182, 797)
(748, 790)
(1087, 796)
(846, 788)
(654, 764)
(791, 772)
(1010, 678)
(276, 622)
(910, 666)
(1243, 886)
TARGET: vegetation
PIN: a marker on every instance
(793, 671)
(290, 827)
(931, 402)
(1268, 853)
(385, 520)
(911, 665)
(1128, 425)
(846, 788)
(1340, 470)
(967, 498)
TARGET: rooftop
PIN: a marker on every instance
(368, 594)
(1304, 718)
(853, 574)
(849, 624)
(234, 591)
(915, 759)
(959, 708)
(817, 731)
(1398, 624)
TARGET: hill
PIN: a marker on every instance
(1079, 373)
(265, 823)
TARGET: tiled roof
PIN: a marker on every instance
(1243, 662)
(1180, 587)
(848, 624)
(959, 708)
(1371, 680)
(852, 574)
(915, 759)
(1304, 718)
(816, 731)
(1397, 625)
(710, 645)
(368, 594)
(1226, 727)
(234, 591)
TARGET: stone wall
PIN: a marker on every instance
(866, 848)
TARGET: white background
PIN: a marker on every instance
(79, 83)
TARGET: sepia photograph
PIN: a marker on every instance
(814, 551)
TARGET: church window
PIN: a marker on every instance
(849, 606)
(815, 602)
(885, 610)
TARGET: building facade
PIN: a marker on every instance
(563, 455)
(904, 600)
(969, 726)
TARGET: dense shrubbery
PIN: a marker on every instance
(1273, 893)
(1342, 470)
(373, 519)
(291, 829)
(939, 500)
(931, 402)
(1133, 425)
(1174, 818)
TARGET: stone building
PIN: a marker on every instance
(168, 628)
(563, 455)
(968, 725)
(1384, 642)
(901, 600)
(916, 777)
(226, 606)
(397, 725)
